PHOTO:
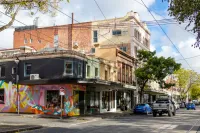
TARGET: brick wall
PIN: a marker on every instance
(43, 37)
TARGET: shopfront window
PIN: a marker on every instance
(53, 99)
(93, 101)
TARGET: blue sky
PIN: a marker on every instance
(86, 10)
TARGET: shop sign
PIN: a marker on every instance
(62, 91)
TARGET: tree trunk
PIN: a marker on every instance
(141, 96)
(11, 21)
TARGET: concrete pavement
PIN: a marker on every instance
(184, 122)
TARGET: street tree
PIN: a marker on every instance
(12, 8)
(195, 91)
(187, 11)
(153, 68)
(186, 79)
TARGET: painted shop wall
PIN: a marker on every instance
(33, 99)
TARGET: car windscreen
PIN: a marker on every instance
(190, 104)
(140, 105)
(162, 101)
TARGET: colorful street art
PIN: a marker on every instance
(33, 99)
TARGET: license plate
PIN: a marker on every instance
(159, 110)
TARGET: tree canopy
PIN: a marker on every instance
(153, 68)
(12, 7)
(186, 80)
(195, 91)
(187, 11)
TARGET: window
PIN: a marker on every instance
(92, 50)
(25, 41)
(79, 69)
(88, 71)
(31, 40)
(146, 42)
(69, 68)
(95, 36)
(1, 96)
(27, 70)
(2, 71)
(55, 40)
(14, 70)
(116, 32)
(106, 75)
(135, 51)
(123, 48)
(137, 35)
(96, 72)
(53, 99)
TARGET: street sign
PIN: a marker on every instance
(62, 91)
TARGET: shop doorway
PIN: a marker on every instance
(80, 101)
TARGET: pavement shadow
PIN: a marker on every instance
(96, 129)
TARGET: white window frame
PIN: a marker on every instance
(13, 72)
(81, 70)
(89, 71)
(25, 68)
(25, 41)
(66, 69)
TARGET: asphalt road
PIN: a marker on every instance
(184, 122)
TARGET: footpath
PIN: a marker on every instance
(11, 123)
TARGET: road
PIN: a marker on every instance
(184, 122)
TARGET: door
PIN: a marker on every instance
(81, 102)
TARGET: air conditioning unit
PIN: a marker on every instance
(34, 76)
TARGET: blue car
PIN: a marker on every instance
(142, 108)
(191, 106)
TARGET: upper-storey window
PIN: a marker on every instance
(2, 71)
(123, 48)
(95, 36)
(69, 67)
(116, 32)
(137, 35)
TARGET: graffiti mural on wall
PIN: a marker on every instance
(40, 99)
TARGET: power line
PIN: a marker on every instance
(78, 21)
(166, 34)
(188, 57)
(169, 19)
(27, 25)
(100, 9)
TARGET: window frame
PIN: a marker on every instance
(72, 73)
(117, 32)
(25, 69)
(1, 71)
(25, 40)
(14, 70)
(95, 36)
(96, 72)
(88, 72)
(81, 70)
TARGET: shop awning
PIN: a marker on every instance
(94, 81)
(131, 87)
(154, 92)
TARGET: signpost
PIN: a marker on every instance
(62, 93)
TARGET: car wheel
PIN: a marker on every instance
(154, 114)
(194, 108)
(174, 113)
(169, 113)
(160, 114)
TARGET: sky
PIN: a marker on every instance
(87, 10)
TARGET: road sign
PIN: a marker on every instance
(62, 91)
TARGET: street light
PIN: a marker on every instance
(17, 82)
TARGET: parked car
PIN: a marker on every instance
(177, 105)
(196, 102)
(182, 105)
(191, 106)
(142, 108)
(162, 106)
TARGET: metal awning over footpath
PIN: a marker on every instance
(155, 92)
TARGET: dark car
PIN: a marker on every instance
(142, 108)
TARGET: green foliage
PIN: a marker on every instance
(153, 68)
(34, 6)
(195, 91)
(186, 11)
(186, 80)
